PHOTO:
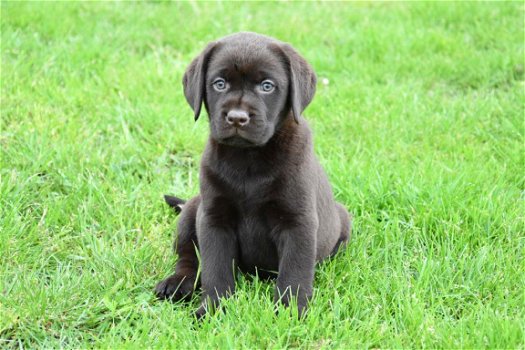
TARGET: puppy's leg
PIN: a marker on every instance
(181, 284)
(297, 250)
(219, 251)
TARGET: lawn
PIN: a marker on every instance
(419, 124)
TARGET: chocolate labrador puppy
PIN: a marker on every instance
(265, 203)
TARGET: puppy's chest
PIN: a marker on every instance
(250, 192)
(255, 208)
(256, 237)
(255, 190)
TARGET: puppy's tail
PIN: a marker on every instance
(176, 203)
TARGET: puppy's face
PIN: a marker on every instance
(249, 84)
(246, 95)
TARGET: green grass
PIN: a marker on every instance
(421, 130)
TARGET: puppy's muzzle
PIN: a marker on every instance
(237, 118)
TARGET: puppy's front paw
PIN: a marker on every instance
(175, 288)
(300, 300)
(302, 309)
(201, 312)
(208, 306)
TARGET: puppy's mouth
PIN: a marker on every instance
(239, 137)
(237, 141)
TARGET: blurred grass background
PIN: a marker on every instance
(420, 129)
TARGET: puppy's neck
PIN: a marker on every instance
(291, 144)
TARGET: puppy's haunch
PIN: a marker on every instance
(265, 202)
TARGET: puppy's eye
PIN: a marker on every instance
(219, 84)
(267, 86)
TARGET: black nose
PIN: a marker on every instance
(237, 118)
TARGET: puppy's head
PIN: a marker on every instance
(249, 84)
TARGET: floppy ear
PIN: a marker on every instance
(302, 81)
(194, 79)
